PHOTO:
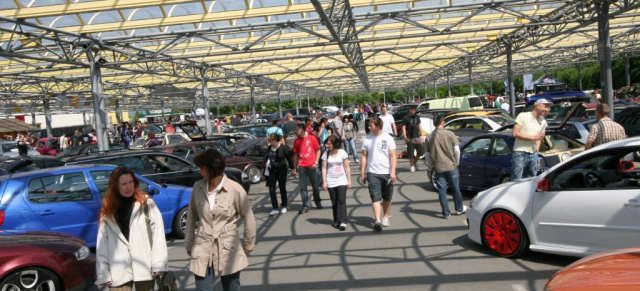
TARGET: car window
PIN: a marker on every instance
(501, 147)
(601, 171)
(473, 123)
(101, 179)
(134, 163)
(167, 164)
(184, 152)
(475, 102)
(478, 147)
(59, 188)
(218, 147)
(454, 125)
(570, 131)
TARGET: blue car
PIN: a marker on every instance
(68, 199)
(485, 161)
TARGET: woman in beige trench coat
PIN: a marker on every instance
(217, 203)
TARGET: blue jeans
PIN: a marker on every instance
(523, 165)
(443, 181)
(229, 282)
(306, 176)
(350, 147)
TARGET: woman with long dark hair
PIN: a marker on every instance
(217, 203)
(336, 178)
(275, 171)
(131, 248)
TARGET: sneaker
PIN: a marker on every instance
(413, 169)
(377, 226)
(304, 210)
(385, 222)
(464, 210)
(283, 210)
(447, 217)
(319, 205)
(343, 226)
(274, 212)
(357, 161)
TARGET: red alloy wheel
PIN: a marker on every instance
(503, 234)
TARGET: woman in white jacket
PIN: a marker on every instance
(126, 256)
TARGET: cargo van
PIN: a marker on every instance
(469, 102)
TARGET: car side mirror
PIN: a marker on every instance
(153, 191)
(627, 166)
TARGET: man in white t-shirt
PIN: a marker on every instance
(378, 167)
(529, 132)
(388, 123)
(505, 106)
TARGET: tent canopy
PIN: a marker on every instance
(11, 125)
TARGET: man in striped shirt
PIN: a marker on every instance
(605, 130)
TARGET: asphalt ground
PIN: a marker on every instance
(418, 251)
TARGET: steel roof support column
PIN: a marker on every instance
(47, 116)
(280, 101)
(118, 113)
(470, 65)
(512, 101)
(580, 76)
(342, 98)
(33, 117)
(297, 104)
(253, 101)
(604, 54)
(99, 106)
(435, 89)
(449, 83)
(164, 120)
(205, 100)
(627, 71)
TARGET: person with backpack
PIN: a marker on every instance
(131, 247)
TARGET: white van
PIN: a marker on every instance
(469, 102)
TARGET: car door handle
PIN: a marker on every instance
(633, 203)
(47, 212)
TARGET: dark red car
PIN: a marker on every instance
(252, 166)
(42, 260)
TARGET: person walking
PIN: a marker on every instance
(350, 138)
(378, 167)
(388, 122)
(275, 171)
(338, 126)
(443, 157)
(605, 130)
(529, 132)
(131, 248)
(305, 159)
(217, 203)
(336, 178)
(275, 129)
(63, 142)
(411, 134)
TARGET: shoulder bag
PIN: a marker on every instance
(166, 281)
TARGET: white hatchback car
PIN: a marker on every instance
(584, 205)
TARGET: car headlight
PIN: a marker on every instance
(244, 176)
(82, 253)
(565, 156)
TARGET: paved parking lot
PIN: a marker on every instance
(419, 251)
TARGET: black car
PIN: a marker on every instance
(257, 130)
(251, 147)
(89, 149)
(28, 163)
(629, 118)
(162, 168)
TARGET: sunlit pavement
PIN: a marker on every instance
(419, 251)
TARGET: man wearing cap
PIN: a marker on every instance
(529, 132)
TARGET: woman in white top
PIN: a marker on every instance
(131, 248)
(336, 177)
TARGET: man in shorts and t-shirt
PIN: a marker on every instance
(529, 132)
(411, 134)
(378, 167)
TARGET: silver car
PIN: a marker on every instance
(10, 149)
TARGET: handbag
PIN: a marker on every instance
(166, 281)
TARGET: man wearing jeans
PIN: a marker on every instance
(442, 157)
(379, 169)
(529, 133)
(306, 157)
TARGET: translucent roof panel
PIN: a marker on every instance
(142, 13)
(269, 3)
(228, 5)
(184, 9)
(40, 3)
(7, 5)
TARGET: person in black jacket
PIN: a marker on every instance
(275, 171)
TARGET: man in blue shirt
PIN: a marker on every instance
(275, 129)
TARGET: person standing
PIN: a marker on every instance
(84, 138)
(217, 203)
(505, 106)
(169, 128)
(388, 122)
(305, 159)
(378, 167)
(336, 178)
(289, 126)
(63, 142)
(442, 157)
(338, 126)
(23, 145)
(411, 134)
(275, 171)
(605, 130)
(131, 248)
(350, 138)
(309, 123)
(529, 132)
(275, 129)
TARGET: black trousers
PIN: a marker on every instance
(277, 176)
(339, 203)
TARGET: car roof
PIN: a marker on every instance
(191, 143)
(113, 154)
(49, 170)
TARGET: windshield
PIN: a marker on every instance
(501, 120)
(241, 145)
(6, 147)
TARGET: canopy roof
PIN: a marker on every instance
(296, 47)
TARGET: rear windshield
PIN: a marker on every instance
(475, 102)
